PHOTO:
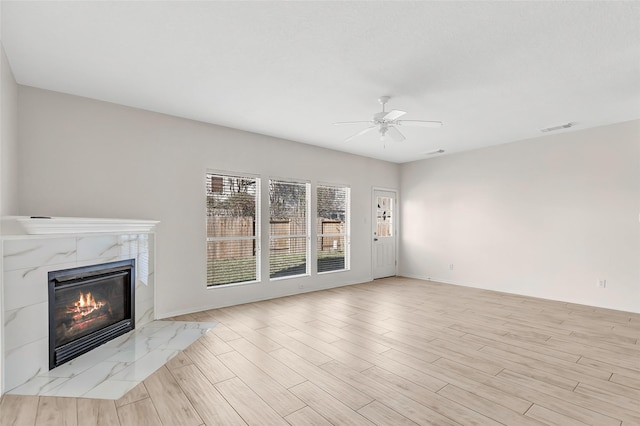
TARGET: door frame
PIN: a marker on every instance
(374, 211)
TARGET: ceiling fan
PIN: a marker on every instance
(385, 123)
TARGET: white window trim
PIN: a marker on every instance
(258, 229)
(308, 188)
(346, 234)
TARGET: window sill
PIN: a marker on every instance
(211, 287)
(334, 272)
(289, 277)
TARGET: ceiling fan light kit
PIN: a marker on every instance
(386, 122)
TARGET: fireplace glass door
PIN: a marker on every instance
(89, 306)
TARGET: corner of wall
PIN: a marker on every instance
(1, 254)
(8, 138)
(8, 159)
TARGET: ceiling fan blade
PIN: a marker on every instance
(360, 133)
(395, 134)
(393, 115)
(341, 123)
(419, 123)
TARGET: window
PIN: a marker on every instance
(288, 229)
(233, 229)
(383, 217)
(333, 228)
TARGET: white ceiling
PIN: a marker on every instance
(493, 72)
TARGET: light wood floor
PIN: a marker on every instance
(392, 352)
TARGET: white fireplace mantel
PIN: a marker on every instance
(31, 248)
(25, 225)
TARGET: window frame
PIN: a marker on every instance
(347, 226)
(306, 235)
(256, 238)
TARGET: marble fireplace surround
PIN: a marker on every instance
(33, 247)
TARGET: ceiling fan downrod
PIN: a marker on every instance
(383, 101)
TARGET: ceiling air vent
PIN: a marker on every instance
(560, 127)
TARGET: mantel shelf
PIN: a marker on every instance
(77, 225)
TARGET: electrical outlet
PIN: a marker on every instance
(451, 266)
(602, 283)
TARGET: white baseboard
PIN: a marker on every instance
(194, 310)
(444, 281)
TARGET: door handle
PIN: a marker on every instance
(375, 239)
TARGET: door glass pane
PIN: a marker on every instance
(384, 217)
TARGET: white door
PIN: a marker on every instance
(384, 233)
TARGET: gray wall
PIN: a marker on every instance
(8, 156)
(81, 157)
(9, 138)
(546, 217)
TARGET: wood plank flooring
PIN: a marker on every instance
(395, 351)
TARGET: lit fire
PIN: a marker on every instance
(86, 304)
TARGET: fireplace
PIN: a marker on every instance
(88, 306)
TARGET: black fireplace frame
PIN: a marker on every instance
(67, 278)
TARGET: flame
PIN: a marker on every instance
(86, 304)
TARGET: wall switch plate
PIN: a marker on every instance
(602, 283)
(451, 266)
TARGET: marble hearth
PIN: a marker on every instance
(33, 248)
